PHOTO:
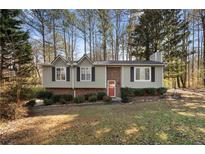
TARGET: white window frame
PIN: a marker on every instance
(56, 73)
(85, 74)
(140, 71)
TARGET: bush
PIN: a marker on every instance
(124, 93)
(100, 95)
(11, 111)
(107, 99)
(44, 94)
(92, 98)
(79, 99)
(48, 101)
(56, 98)
(67, 97)
(125, 100)
(151, 91)
(31, 103)
(162, 90)
(63, 101)
(139, 92)
(86, 96)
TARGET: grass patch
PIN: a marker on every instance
(160, 122)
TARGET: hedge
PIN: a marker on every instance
(129, 92)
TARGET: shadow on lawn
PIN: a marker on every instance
(165, 122)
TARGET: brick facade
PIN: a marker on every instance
(83, 91)
(60, 90)
(114, 73)
(78, 91)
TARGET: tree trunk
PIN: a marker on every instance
(193, 51)
(54, 38)
(203, 25)
(65, 43)
(44, 45)
(104, 45)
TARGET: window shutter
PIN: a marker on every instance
(78, 73)
(68, 73)
(93, 73)
(53, 73)
(153, 74)
(131, 74)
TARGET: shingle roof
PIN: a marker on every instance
(125, 62)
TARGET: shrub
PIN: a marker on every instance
(86, 96)
(162, 90)
(44, 94)
(79, 99)
(48, 101)
(100, 95)
(107, 99)
(12, 110)
(31, 103)
(62, 100)
(92, 98)
(67, 97)
(139, 92)
(151, 91)
(125, 100)
(56, 98)
(124, 92)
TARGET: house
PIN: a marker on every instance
(85, 76)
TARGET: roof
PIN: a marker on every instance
(126, 62)
(110, 62)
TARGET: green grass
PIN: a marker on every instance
(162, 122)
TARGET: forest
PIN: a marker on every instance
(31, 37)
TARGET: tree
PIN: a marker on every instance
(16, 53)
(36, 19)
(104, 26)
(163, 30)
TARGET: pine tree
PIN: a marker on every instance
(16, 53)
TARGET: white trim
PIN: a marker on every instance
(59, 56)
(56, 73)
(90, 74)
(142, 80)
(114, 88)
(105, 76)
(84, 56)
(122, 76)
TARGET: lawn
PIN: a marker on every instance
(159, 122)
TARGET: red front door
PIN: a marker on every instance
(111, 88)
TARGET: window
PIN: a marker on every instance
(142, 73)
(60, 73)
(85, 73)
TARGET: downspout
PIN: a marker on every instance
(73, 80)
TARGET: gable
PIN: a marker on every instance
(85, 61)
(59, 62)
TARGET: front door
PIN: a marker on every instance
(111, 88)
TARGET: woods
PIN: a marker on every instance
(31, 37)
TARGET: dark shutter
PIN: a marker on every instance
(131, 74)
(53, 73)
(68, 73)
(93, 73)
(78, 73)
(153, 74)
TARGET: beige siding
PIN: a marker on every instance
(142, 84)
(98, 83)
(99, 79)
(48, 83)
